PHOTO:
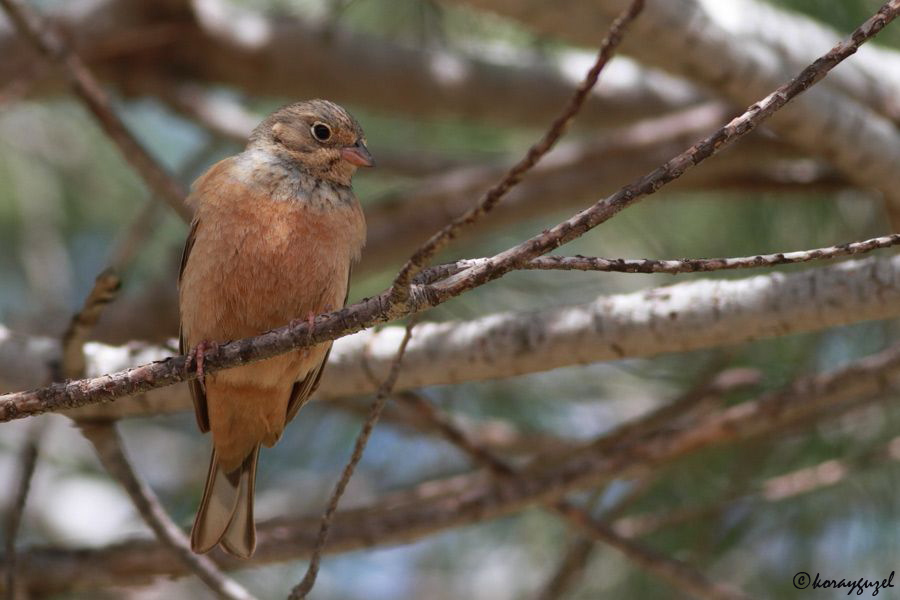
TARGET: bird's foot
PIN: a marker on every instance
(198, 354)
(309, 320)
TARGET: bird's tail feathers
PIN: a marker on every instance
(226, 511)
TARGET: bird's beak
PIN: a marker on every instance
(358, 155)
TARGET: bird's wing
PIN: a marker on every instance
(199, 397)
(304, 388)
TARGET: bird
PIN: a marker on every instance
(275, 233)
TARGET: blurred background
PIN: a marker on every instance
(449, 94)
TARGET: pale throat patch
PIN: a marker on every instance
(284, 181)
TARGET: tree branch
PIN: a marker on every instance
(677, 318)
(302, 589)
(89, 91)
(422, 256)
(109, 448)
(671, 266)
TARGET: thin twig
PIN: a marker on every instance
(380, 309)
(309, 579)
(27, 464)
(575, 559)
(112, 455)
(668, 266)
(606, 208)
(419, 259)
(84, 84)
(82, 323)
(569, 569)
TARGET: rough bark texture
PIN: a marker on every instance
(683, 317)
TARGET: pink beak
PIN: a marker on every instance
(358, 155)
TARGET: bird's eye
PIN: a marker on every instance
(321, 131)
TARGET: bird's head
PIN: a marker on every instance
(318, 135)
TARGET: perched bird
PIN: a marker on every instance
(276, 230)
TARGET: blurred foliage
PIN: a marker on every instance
(845, 15)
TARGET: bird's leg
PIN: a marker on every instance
(198, 354)
(309, 320)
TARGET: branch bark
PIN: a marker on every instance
(678, 318)
(86, 87)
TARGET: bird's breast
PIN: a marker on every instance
(257, 264)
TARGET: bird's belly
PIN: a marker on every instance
(245, 277)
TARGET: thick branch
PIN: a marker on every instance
(683, 317)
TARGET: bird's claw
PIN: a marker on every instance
(197, 355)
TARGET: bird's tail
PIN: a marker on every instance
(226, 511)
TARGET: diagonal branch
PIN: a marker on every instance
(687, 34)
(302, 589)
(108, 445)
(88, 89)
(674, 168)
(380, 308)
(421, 257)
